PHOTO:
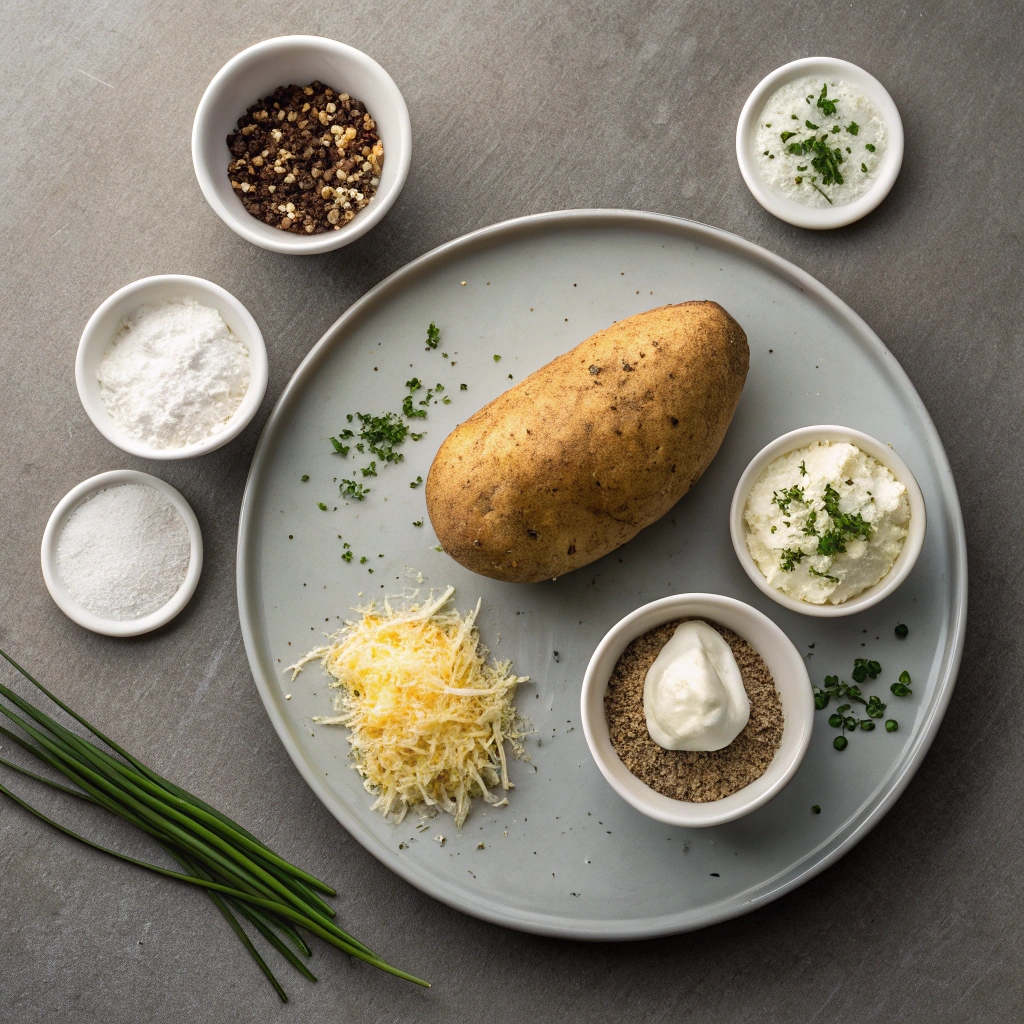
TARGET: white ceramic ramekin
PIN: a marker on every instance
(790, 210)
(783, 661)
(59, 592)
(102, 328)
(297, 60)
(873, 447)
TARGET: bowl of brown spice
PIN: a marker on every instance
(697, 787)
(301, 144)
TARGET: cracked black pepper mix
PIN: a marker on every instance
(306, 159)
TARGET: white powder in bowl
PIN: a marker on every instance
(124, 552)
(175, 374)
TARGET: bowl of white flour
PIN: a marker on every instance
(171, 367)
(122, 553)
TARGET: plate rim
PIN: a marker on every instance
(856, 827)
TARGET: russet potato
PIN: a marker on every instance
(584, 453)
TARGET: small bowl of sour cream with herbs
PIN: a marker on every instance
(819, 143)
(827, 521)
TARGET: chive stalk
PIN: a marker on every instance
(242, 876)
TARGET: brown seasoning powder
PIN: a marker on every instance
(697, 776)
(306, 159)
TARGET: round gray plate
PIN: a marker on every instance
(567, 856)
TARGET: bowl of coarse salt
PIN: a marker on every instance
(170, 367)
(122, 553)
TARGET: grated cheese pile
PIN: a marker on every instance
(427, 715)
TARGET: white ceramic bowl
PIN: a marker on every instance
(789, 209)
(59, 592)
(785, 664)
(873, 447)
(297, 60)
(103, 326)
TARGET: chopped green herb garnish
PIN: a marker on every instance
(803, 167)
(320, 505)
(794, 117)
(417, 522)
(416, 482)
(433, 336)
(818, 190)
(787, 135)
(815, 809)
(446, 400)
(853, 127)
(813, 127)
(346, 556)
(351, 489)
(497, 359)
(305, 478)
(891, 725)
(902, 632)
(416, 437)
(840, 743)
(828, 107)
(382, 433)
(803, 467)
(902, 688)
(409, 410)
(370, 470)
(823, 575)
(864, 168)
(784, 498)
(790, 559)
(863, 669)
(869, 147)
(774, 528)
(363, 560)
(463, 387)
(341, 449)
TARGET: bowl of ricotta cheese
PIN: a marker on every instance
(827, 521)
(819, 142)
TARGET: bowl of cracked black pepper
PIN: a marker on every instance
(301, 144)
(697, 709)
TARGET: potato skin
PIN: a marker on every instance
(584, 453)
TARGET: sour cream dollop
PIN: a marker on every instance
(694, 697)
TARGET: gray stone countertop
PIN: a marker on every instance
(516, 108)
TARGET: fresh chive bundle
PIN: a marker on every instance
(242, 876)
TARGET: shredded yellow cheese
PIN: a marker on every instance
(427, 715)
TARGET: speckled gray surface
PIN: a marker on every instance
(516, 108)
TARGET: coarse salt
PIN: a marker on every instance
(174, 375)
(124, 552)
